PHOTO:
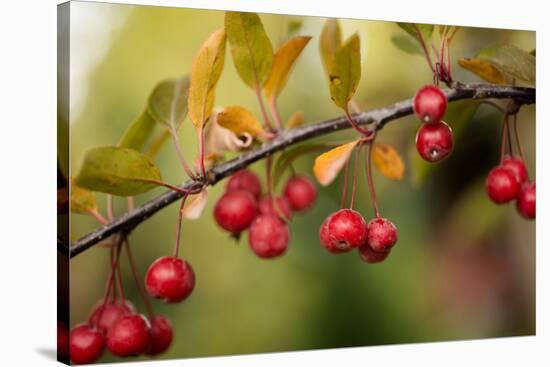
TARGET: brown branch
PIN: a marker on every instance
(376, 119)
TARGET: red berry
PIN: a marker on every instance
(245, 180)
(104, 316)
(87, 344)
(368, 255)
(161, 335)
(502, 185)
(527, 202)
(430, 103)
(170, 279)
(278, 206)
(62, 341)
(343, 230)
(235, 210)
(434, 141)
(300, 193)
(129, 336)
(381, 234)
(517, 166)
(268, 236)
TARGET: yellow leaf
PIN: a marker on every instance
(295, 120)
(250, 47)
(345, 72)
(283, 60)
(205, 73)
(193, 210)
(82, 200)
(329, 42)
(239, 120)
(484, 69)
(388, 161)
(328, 164)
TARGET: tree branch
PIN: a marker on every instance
(376, 119)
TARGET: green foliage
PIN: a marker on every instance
(511, 61)
(329, 42)
(82, 200)
(138, 132)
(117, 171)
(168, 102)
(345, 73)
(250, 47)
(420, 32)
(406, 44)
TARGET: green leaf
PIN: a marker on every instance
(406, 44)
(484, 69)
(250, 47)
(294, 26)
(512, 61)
(418, 31)
(290, 155)
(117, 171)
(345, 73)
(139, 131)
(168, 102)
(82, 200)
(205, 73)
(329, 42)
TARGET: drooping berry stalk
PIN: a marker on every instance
(370, 181)
(345, 188)
(137, 279)
(354, 180)
(178, 230)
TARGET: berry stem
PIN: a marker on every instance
(262, 107)
(345, 189)
(110, 279)
(354, 182)
(119, 283)
(180, 219)
(370, 181)
(509, 135)
(269, 181)
(516, 134)
(97, 215)
(137, 278)
(131, 203)
(110, 210)
(503, 138)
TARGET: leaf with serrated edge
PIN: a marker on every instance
(406, 44)
(168, 102)
(117, 171)
(138, 132)
(329, 42)
(512, 61)
(205, 73)
(289, 155)
(345, 74)
(484, 69)
(239, 120)
(283, 60)
(295, 120)
(329, 164)
(388, 161)
(250, 47)
(82, 200)
(193, 210)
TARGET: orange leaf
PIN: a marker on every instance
(194, 209)
(388, 161)
(295, 120)
(328, 164)
(484, 69)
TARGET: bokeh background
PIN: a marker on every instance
(463, 268)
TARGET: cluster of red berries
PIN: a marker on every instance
(242, 207)
(434, 139)
(116, 325)
(509, 181)
(346, 230)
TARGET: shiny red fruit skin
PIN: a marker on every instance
(430, 104)
(300, 192)
(235, 211)
(268, 236)
(526, 203)
(161, 335)
(434, 141)
(129, 336)
(517, 166)
(370, 256)
(245, 180)
(170, 279)
(381, 234)
(112, 311)
(501, 185)
(278, 206)
(86, 345)
(342, 231)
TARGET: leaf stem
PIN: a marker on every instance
(97, 215)
(354, 124)
(201, 151)
(110, 211)
(275, 113)
(267, 122)
(424, 48)
(179, 153)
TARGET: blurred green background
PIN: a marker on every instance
(463, 268)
